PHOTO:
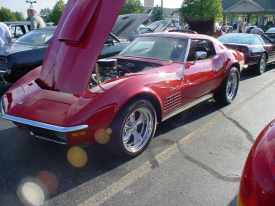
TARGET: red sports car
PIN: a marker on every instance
(258, 178)
(76, 99)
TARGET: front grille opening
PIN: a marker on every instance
(46, 134)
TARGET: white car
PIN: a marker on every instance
(253, 30)
(18, 28)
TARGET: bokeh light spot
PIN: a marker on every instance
(77, 156)
(49, 180)
(109, 131)
(102, 136)
(30, 193)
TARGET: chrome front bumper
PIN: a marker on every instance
(42, 130)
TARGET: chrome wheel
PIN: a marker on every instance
(262, 64)
(133, 128)
(229, 87)
(232, 86)
(137, 129)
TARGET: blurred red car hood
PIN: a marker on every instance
(79, 37)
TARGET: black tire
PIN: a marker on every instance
(260, 67)
(229, 87)
(132, 129)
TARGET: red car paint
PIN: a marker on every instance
(257, 181)
(54, 102)
(79, 37)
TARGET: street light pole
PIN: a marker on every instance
(31, 2)
(264, 14)
(161, 11)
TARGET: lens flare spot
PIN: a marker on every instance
(77, 156)
(30, 193)
(102, 136)
(109, 131)
(49, 181)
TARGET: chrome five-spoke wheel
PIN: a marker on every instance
(137, 129)
(133, 128)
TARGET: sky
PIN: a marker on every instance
(167, 3)
(22, 6)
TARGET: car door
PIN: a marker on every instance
(269, 46)
(204, 75)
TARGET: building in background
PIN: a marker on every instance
(255, 12)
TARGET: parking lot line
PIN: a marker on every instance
(144, 169)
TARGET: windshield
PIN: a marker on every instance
(37, 37)
(158, 47)
(240, 39)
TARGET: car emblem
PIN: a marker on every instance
(20, 103)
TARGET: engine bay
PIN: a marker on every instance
(107, 69)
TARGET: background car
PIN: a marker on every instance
(271, 33)
(257, 180)
(207, 27)
(24, 54)
(183, 31)
(18, 28)
(159, 26)
(258, 50)
(138, 31)
(154, 78)
(253, 30)
(27, 52)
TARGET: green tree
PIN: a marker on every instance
(132, 7)
(19, 16)
(57, 11)
(201, 10)
(45, 14)
(6, 15)
(157, 14)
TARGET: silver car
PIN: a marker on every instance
(271, 33)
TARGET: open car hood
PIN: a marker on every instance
(202, 26)
(79, 37)
(126, 24)
(159, 26)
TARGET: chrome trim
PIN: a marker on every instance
(48, 139)
(44, 125)
(3, 72)
(187, 106)
(2, 108)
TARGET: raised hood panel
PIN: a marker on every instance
(80, 35)
(126, 24)
(159, 26)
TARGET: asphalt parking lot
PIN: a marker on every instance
(196, 157)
